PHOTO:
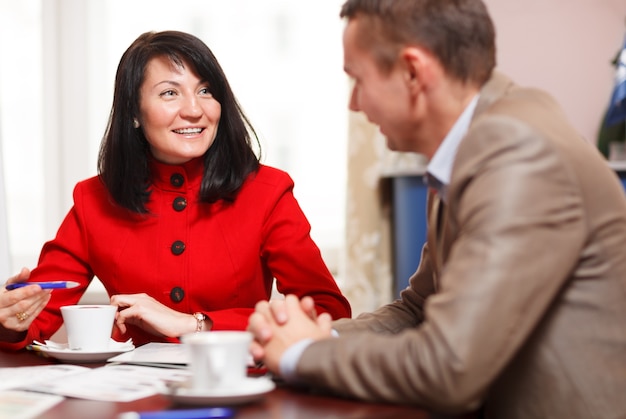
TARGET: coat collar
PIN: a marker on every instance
(168, 176)
(495, 88)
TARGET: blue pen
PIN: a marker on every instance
(44, 285)
(206, 413)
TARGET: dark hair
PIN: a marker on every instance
(459, 33)
(124, 153)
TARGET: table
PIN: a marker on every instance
(283, 402)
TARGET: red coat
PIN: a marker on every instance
(219, 259)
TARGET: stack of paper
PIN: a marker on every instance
(156, 354)
(118, 383)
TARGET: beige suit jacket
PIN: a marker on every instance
(519, 302)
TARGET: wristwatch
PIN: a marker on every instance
(200, 318)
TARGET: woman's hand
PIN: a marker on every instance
(19, 307)
(150, 315)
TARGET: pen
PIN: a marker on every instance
(44, 285)
(206, 413)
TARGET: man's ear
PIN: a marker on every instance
(417, 63)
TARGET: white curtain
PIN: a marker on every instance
(368, 268)
(5, 267)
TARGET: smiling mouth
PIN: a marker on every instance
(189, 131)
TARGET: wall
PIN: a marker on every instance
(564, 47)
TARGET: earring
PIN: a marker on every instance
(135, 123)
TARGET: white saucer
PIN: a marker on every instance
(63, 353)
(250, 390)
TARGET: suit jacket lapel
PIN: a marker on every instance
(436, 227)
(439, 236)
(442, 232)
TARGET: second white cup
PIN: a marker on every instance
(218, 359)
(89, 327)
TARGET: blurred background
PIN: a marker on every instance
(283, 59)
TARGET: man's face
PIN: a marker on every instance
(383, 97)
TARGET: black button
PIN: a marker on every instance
(177, 180)
(177, 294)
(179, 203)
(178, 247)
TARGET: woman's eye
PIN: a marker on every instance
(205, 91)
(168, 93)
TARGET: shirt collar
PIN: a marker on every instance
(439, 169)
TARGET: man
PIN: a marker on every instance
(519, 302)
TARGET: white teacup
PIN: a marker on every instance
(217, 359)
(89, 326)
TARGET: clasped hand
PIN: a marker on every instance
(279, 324)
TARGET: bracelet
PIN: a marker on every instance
(200, 318)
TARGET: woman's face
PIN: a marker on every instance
(177, 112)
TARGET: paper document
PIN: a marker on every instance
(17, 404)
(157, 354)
(11, 378)
(115, 383)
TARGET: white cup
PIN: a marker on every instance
(217, 359)
(89, 326)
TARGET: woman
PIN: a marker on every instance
(183, 226)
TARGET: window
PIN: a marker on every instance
(283, 60)
(21, 132)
